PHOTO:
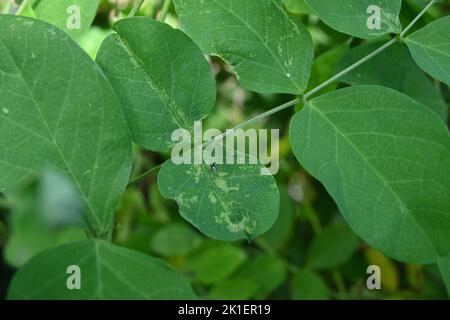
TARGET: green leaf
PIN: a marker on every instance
(72, 16)
(385, 159)
(92, 40)
(215, 263)
(161, 78)
(332, 248)
(257, 38)
(106, 272)
(230, 203)
(351, 16)
(296, 6)
(325, 67)
(278, 235)
(444, 267)
(307, 285)
(233, 289)
(58, 110)
(266, 272)
(402, 74)
(430, 48)
(175, 240)
(46, 213)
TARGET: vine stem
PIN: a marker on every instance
(349, 68)
(432, 2)
(143, 175)
(165, 10)
(306, 95)
(335, 77)
(136, 7)
(21, 7)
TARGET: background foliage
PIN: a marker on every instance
(310, 252)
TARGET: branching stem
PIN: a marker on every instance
(303, 98)
(145, 174)
(337, 76)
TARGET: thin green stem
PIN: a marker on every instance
(417, 18)
(312, 218)
(145, 174)
(165, 10)
(255, 119)
(21, 7)
(350, 68)
(329, 81)
(339, 281)
(291, 103)
(136, 7)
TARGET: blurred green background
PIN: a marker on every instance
(310, 253)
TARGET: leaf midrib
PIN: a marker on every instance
(166, 100)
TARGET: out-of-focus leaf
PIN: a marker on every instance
(106, 272)
(389, 275)
(325, 67)
(296, 6)
(266, 272)
(266, 44)
(351, 16)
(402, 74)
(333, 247)
(92, 40)
(430, 48)
(215, 263)
(308, 285)
(279, 233)
(46, 213)
(175, 240)
(234, 289)
(72, 16)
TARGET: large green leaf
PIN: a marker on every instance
(269, 51)
(402, 74)
(57, 110)
(161, 78)
(385, 159)
(107, 272)
(72, 16)
(430, 47)
(332, 248)
(350, 16)
(230, 203)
